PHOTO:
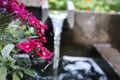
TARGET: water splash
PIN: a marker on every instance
(57, 22)
(80, 68)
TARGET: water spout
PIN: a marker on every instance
(57, 22)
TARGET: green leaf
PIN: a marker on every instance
(20, 33)
(29, 72)
(16, 67)
(1, 58)
(20, 74)
(15, 76)
(3, 73)
(7, 49)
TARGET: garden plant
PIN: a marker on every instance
(20, 33)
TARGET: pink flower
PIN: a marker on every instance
(33, 20)
(27, 46)
(43, 26)
(43, 39)
(40, 31)
(39, 43)
(23, 14)
(44, 53)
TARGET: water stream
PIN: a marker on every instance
(57, 19)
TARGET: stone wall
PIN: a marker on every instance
(92, 27)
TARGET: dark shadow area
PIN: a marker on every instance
(111, 74)
(49, 35)
(114, 30)
(37, 11)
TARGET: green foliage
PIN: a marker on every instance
(4, 20)
(20, 73)
(9, 66)
(10, 34)
(15, 33)
(3, 73)
(16, 76)
(29, 72)
(5, 37)
(98, 5)
(57, 4)
(7, 50)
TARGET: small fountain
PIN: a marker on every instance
(71, 68)
(57, 21)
